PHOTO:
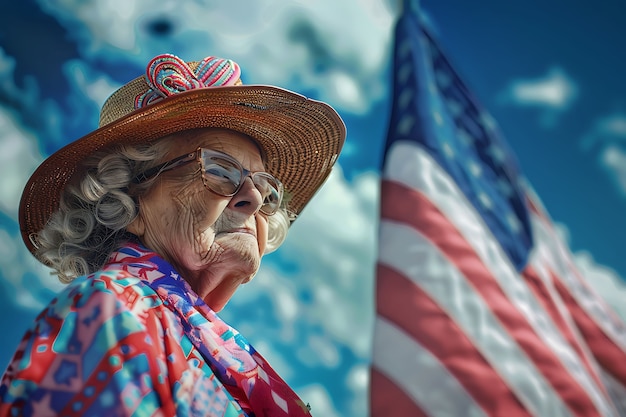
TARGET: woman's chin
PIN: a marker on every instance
(243, 246)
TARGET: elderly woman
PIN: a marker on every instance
(154, 220)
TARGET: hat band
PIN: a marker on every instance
(167, 75)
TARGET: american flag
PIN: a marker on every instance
(481, 310)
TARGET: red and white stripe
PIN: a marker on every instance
(459, 331)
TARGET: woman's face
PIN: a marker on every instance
(215, 242)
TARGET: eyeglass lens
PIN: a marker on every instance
(225, 176)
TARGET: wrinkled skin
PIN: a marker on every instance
(215, 242)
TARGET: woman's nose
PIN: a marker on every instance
(248, 198)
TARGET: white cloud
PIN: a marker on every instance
(26, 282)
(615, 125)
(552, 93)
(613, 160)
(340, 259)
(89, 83)
(321, 403)
(608, 129)
(300, 45)
(555, 90)
(29, 282)
(605, 281)
(358, 380)
(18, 158)
(607, 139)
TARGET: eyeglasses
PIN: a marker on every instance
(224, 175)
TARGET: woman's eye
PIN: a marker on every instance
(219, 171)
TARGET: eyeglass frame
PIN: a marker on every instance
(197, 156)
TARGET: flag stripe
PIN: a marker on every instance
(424, 379)
(617, 392)
(558, 258)
(434, 330)
(549, 297)
(394, 402)
(461, 295)
(604, 333)
(603, 347)
(491, 273)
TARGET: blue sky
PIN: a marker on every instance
(550, 74)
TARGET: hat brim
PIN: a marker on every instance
(300, 138)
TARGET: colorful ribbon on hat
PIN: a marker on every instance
(167, 75)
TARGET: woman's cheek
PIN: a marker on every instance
(196, 200)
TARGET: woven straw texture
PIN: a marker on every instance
(300, 138)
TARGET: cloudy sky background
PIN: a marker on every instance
(551, 75)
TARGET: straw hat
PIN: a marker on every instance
(299, 137)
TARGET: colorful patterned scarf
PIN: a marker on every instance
(242, 370)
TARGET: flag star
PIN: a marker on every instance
(513, 222)
(405, 97)
(437, 117)
(454, 106)
(443, 79)
(404, 72)
(432, 88)
(485, 200)
(405, 124)
(504, 187)
(448, 150)
(496, 153)
(488, 121)
(464, 137)
(475, 169)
